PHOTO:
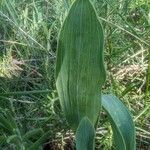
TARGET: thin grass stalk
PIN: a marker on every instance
(148, 78)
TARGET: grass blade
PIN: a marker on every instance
(121, 122)
(33, 134)
(40, 141)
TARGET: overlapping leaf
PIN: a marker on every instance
(121, 122)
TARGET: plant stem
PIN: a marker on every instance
(148, 77)
(25, 92)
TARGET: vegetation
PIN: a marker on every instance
(80, 75)
(29, 106)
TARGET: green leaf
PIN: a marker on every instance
(11, 119)
(40, 141)
(33, 134)
(121, 122)
(85, 135)
(80, 71)
(13, 139)
(6, 124)
(3, 139)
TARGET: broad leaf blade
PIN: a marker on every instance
(80, 70)
(121, 122)
(85, 135)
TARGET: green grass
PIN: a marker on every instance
(28, 41)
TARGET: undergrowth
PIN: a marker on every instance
(28, 41)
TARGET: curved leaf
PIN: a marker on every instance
(121, 122)
(80, 71)
(14, 139)
(85, 135)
